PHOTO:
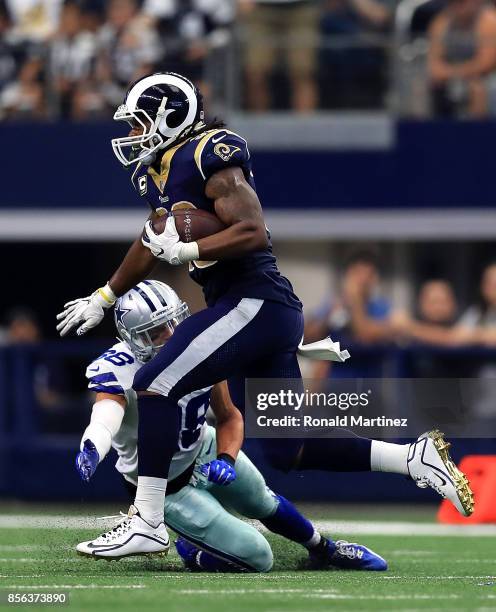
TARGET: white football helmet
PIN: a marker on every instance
(167, 106)
(147, 315)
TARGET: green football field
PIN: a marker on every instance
(431, 567)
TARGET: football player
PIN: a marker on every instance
(253, 322)
(205, 462)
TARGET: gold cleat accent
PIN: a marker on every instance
(462, 484)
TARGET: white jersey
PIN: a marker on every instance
(113, 372)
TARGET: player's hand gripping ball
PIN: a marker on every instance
(165, 246)
(219, 471)
(172, 238)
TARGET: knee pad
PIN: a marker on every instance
(257, 554)
(189, 513)
(260, 503)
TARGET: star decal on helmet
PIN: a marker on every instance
(120, 313)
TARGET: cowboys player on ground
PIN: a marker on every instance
(207, 472)
(253, 323)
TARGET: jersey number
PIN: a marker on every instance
(193, 415)
(117, 359)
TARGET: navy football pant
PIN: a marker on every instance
(235, 339)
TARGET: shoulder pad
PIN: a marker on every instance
(220, 149)
(113, 372)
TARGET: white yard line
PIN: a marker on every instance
(403, 528)
(21, 576)
(322, 594)
(52, 521)
(382, 597)
(23, 547)
(38, 560)
(418, 577)
(73, 586)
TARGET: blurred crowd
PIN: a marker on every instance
(58, 389)
(360, 313)
(75, 58)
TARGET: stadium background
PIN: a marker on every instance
(362, 159)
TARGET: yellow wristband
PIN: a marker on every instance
(107, 294)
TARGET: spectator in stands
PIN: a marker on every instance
(93, 14)
(354, 73)
(481, 320)
(24, 97)
(476, 326)
(21, 63)
(128, 47)
(72, 57)
(437, 311)
(9, 55)
(437, 303)
(436, 317)
(22, 327)
(483, 313)
(59, 408)
(362, 312)
(285, 29)
(462, 58)
(189, 32)
(33, 21)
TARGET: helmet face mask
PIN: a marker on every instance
(141, 145)
(166, 106)
(145, 330)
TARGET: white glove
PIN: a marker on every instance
(89, 311)
(167, 246)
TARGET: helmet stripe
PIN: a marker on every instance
(149, 302)
(152, 296)
(156, 292)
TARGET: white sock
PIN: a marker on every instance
(388, 457)
(106, 420)
(313, 541)
(150, 497)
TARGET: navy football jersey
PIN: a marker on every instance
(179, 177)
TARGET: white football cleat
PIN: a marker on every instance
(430, 465)
(131, 536)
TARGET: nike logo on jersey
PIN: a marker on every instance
(214, 140)
(94, 369)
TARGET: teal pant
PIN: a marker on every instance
(201, 512)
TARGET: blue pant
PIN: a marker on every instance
(236, 338)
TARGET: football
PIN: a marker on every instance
(191, 223)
